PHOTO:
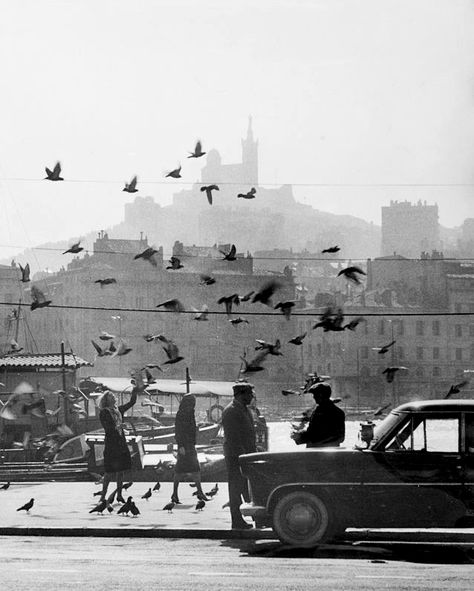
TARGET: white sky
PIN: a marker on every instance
(341, 91)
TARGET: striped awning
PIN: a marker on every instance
(45, 360)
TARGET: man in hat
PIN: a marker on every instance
(239, 438)
(326, 427)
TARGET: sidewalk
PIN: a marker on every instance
(62, 509)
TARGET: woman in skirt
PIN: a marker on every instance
(185, 435)
(117, 459)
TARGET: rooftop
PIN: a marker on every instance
(44, 360)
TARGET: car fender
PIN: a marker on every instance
(279, 491)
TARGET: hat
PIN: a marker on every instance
(241, 387)
(321, 388)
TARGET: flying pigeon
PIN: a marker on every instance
(74, 249)
(174, 174)
(285, 308)
(106, 336)
(351, 273)
(147, 255)
(331, 249)
(106, 281)
(456, 388)
(206, 279)
(53, 175)
(270, 348)
(25, 273)
(197, 151)
(27, 506)
(391, 371)
(173, 305)
(384, 349)
(131, 187)
(238, 320)
(230, 256)
(175, 264)
(149, 338)
(228, 301)
(330, 320)
(266, 292)
(250, 195)
(122, 349)
(149, 377)
(203, 314)
(246, 297)
(352, 325)
(298, 340)
(172, 351)
(39, 299)
(209, 189)
(254, 365)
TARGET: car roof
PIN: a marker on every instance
(437, 405)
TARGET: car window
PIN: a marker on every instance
(470, 433)
(431, 434)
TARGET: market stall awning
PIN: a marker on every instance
(43, 361)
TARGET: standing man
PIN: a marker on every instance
(239, 438)
(326, 426)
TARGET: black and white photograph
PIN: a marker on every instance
(237, 295)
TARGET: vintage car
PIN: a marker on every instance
(418, 471)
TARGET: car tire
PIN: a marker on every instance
(303, 519)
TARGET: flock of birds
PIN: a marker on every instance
(128, 506)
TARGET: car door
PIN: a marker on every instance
(468, 462)
(417, 480)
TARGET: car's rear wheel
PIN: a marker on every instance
(303, 519)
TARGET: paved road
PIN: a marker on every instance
(37, 564)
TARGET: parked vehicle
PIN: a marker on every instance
(418, 471)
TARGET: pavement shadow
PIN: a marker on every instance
(374, 553)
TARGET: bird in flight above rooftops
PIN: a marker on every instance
(106, 336)
(230, 256)
(209, 189)
(39, 299)
(330, 320)
(250, 195)
(384, 349)
(175, 264)
(206, 279)
(265, 294)
(174, 174)
(147, 255)
(173, 305)
(131, 187)
(203, 314)
(197, 151)
(270, 348)
(228, 301)
(352, 273)
(25, 273)
(53, 175)
(75, 248)
(122, 349)
(391, 371)
(456, 388)
(106, 281)
(100, 352)
(172, 352)
(298, 340)
(286, 308)
(331, 249)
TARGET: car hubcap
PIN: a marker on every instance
(302, 519)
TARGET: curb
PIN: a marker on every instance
(99, 532)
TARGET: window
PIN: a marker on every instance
(458, 353)
(436, 372)
(435, 352)
(419, 372)
(458, 330)
(381, 326)
(318, 349)
(419, 328)
(419, 353)
(364, 352)
(426, 434)
(400, 353)
(436, 328)
(400, 327)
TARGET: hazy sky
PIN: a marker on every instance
(341, 92)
